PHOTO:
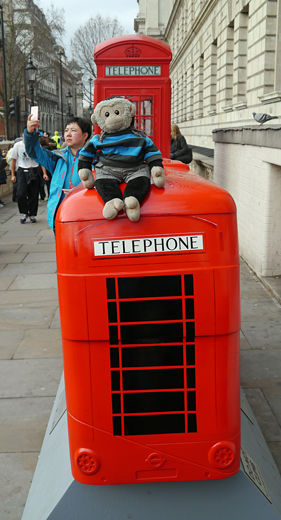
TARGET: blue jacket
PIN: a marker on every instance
(62, 166)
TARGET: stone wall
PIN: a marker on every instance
(248, 164)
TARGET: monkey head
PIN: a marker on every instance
(114, 114)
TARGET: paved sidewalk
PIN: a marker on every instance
(30, 350)
(31, 359)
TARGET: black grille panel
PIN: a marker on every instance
(152, 354)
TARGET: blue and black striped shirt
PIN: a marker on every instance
(125, 149)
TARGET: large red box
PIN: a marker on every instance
(150, 320)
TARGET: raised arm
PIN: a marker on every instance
(45, 158)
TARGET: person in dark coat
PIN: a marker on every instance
(179, 148)
(3, 175)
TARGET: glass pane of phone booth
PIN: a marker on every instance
(144, 113)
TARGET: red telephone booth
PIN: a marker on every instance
(137, 67)
(150, 321)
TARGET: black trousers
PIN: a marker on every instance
(28, 191)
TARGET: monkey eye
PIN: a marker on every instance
(106, 114)
(117, 112)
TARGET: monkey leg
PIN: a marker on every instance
(135, 192)
(111, 195)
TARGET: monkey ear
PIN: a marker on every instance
(133, 110)
(93, 119)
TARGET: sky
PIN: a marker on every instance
(77, 12)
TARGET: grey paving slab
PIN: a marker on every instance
(5, 281)
(37, 248)
(275, 448)
(10, 248)
(40, 343)
(30, 377)
(16, 258)
(20, 317)
(259, 366)
(48, 297)
(9, 342)
(251, 286)
(47, 233)
(30, 269)
(36, 281)
(262, 333)
(47, 239)
(56, 321)
(16, 472)
(40, 257)
(274, 285)
(274, 282)
(23, 231)
(19, 240)
(273, 396)
(244, 344)
(11, 223)
(253, 289)
(268, 423)
(23, 423)
(259, 309)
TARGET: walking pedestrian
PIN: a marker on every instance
(27, 179)
(57, 139)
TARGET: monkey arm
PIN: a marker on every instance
(86, 157)
(85, 173)
(157, 173)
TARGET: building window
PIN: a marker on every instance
(190, 94)
(225, 70)
(240, 59)
(212, 80)
(198, 87)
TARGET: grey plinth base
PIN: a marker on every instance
(254, 493)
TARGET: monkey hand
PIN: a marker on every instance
(158, 176)
(87, 178)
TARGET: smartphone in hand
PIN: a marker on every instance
(34, 113)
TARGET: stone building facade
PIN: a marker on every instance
(226, 60)
(226, 65)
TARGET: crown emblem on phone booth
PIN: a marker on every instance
(133, 52)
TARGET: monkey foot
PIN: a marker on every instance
(112, 208)
(132, 207)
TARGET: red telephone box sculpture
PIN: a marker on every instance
(137, 67)
(150, 320)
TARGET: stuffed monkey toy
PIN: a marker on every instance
(122, 154)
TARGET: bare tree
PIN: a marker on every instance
(94, 31)
(56, 20)
(28, 33)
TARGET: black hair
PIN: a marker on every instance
(84, 124)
